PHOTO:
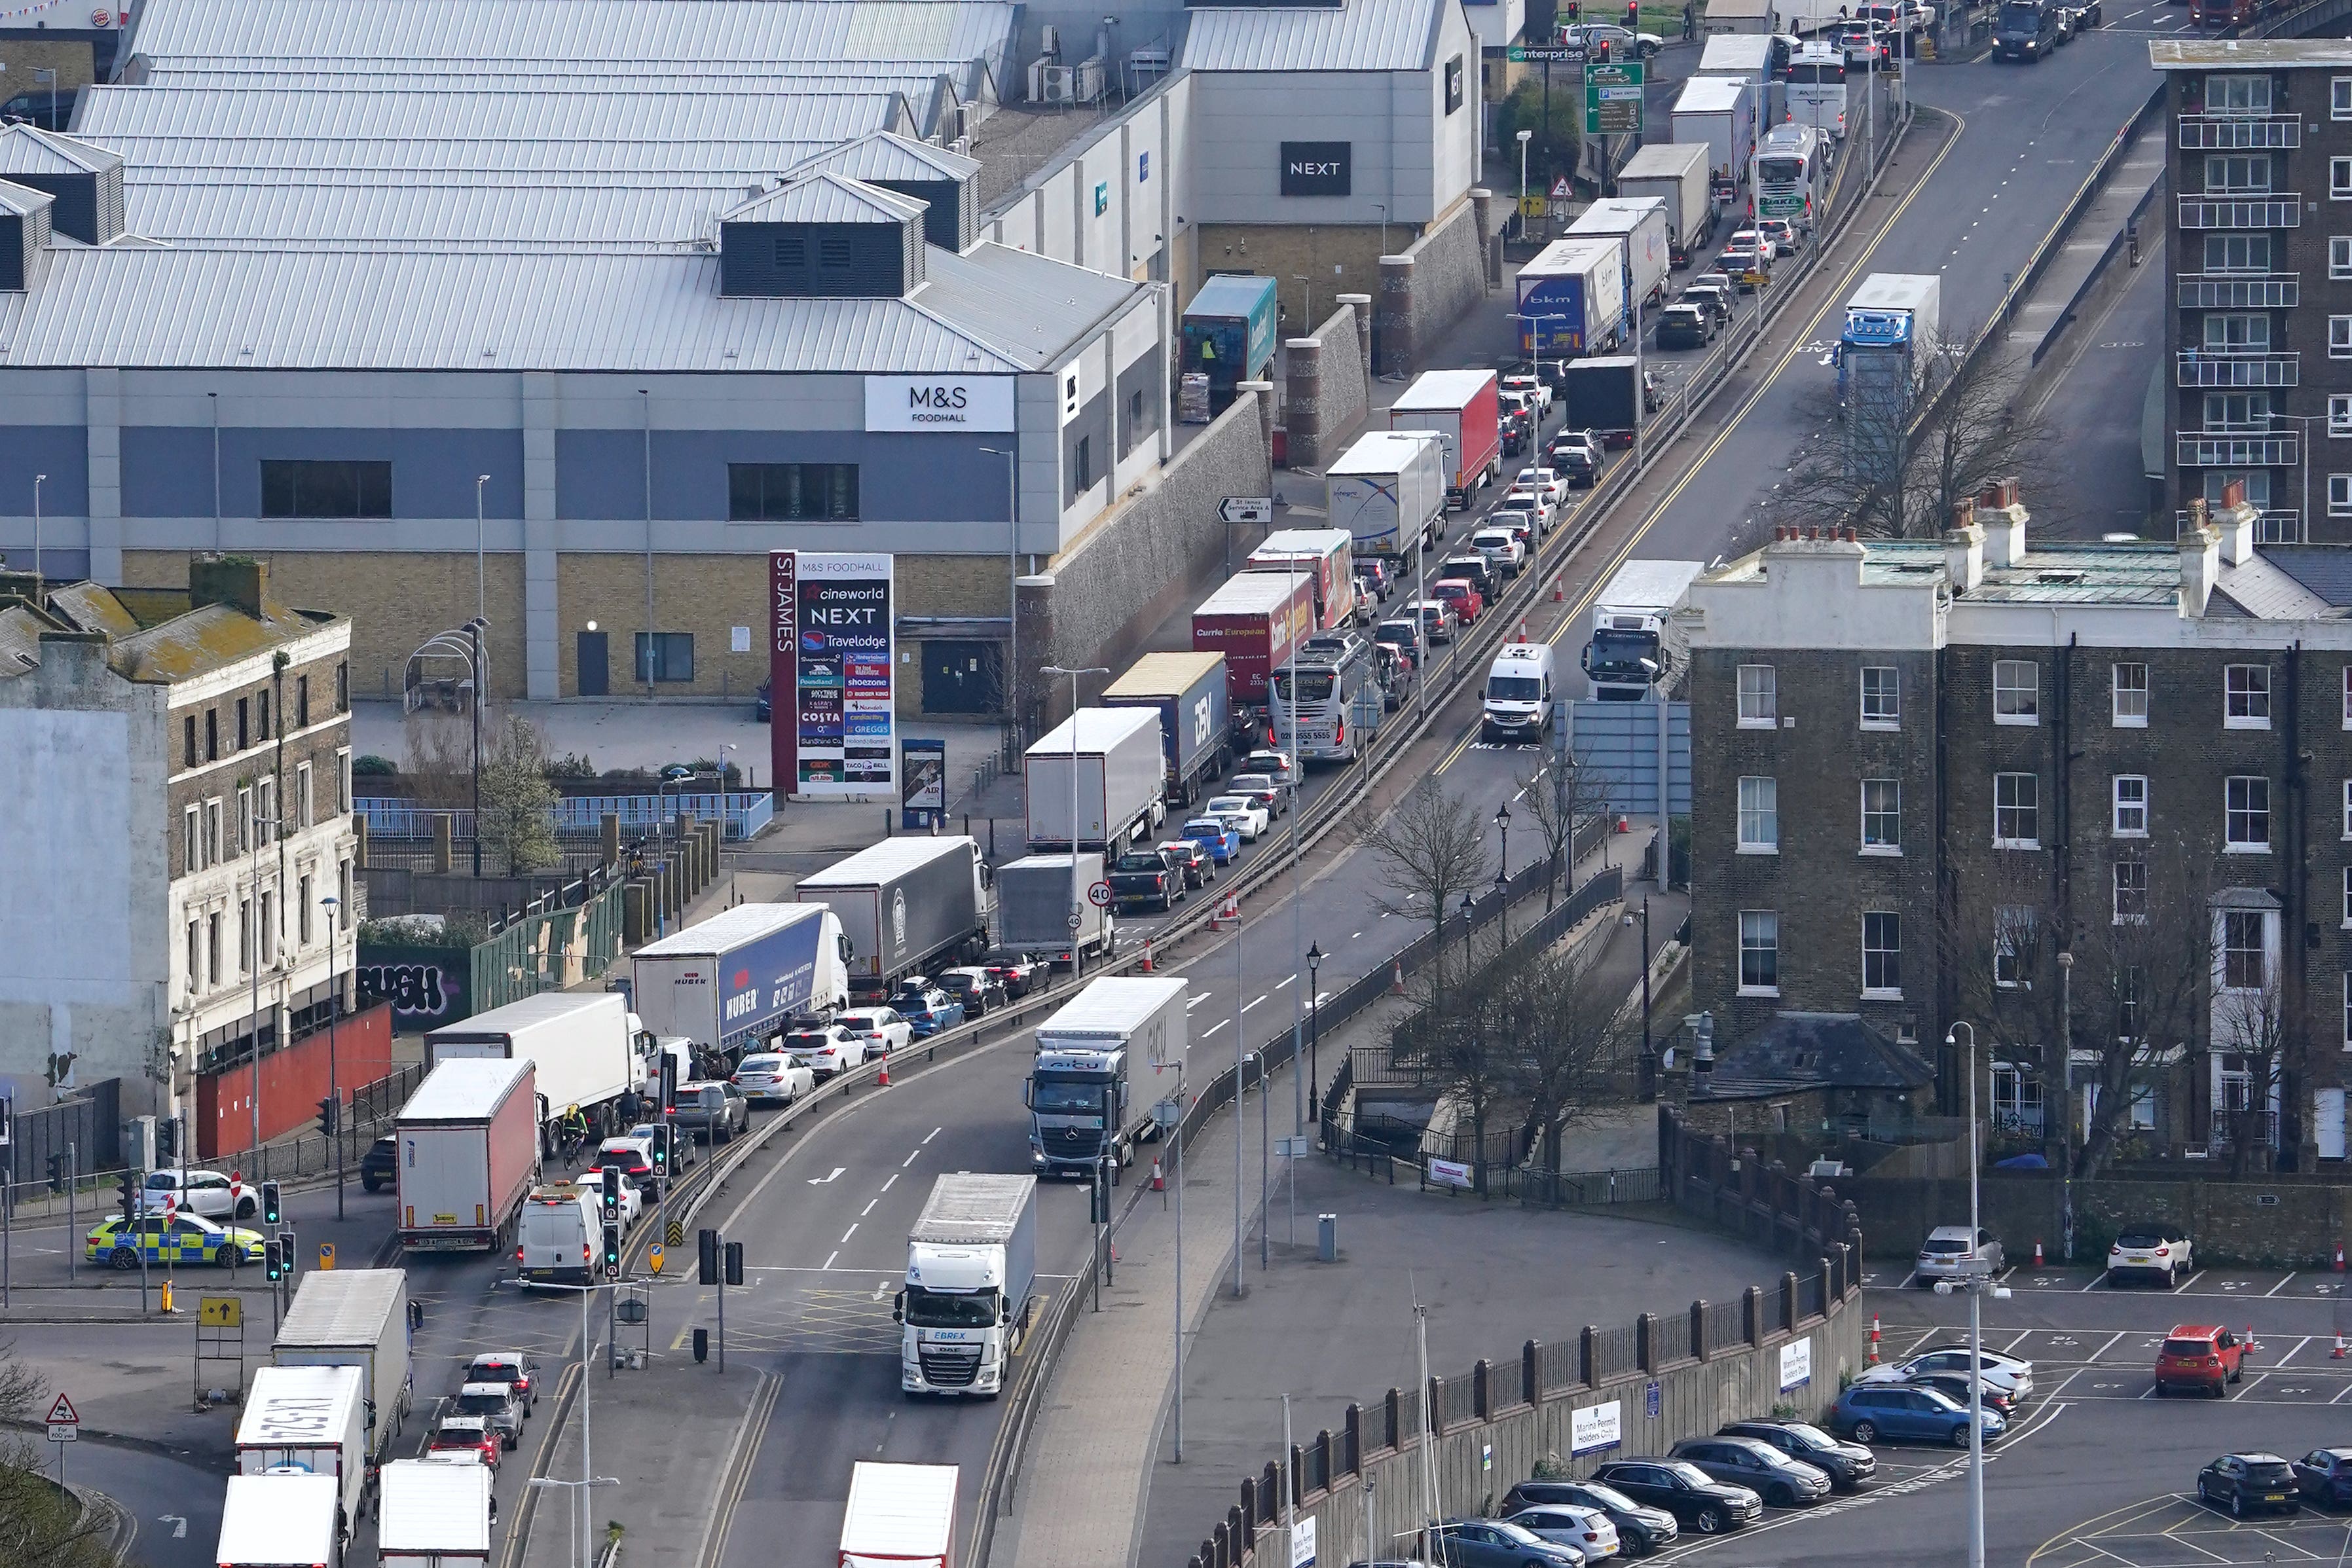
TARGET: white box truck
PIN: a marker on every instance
(1635, 650)
(308, 1418)
(435, 1514)
(584, 1046)
(1118, 1043)
(358, 1318)
(466, 1150)
(1098, 773)
(899, 1516)
(282, 1522)
(1638, 224)
(1676, 173)
(1388, 490)
(1718, 114)
(733, 982)
(971, 1259)
(1033, 908)
(904, 904)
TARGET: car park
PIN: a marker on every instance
(1214, 835)
(1641, 1530)
(773, 1078)
(2202, 1358)
(826, 1049)
(1872, 1412)
(1695, 1497)
(182, 1239)
(1496, 1543)
(1847, 1465)
(1758, 1466)
(713, 1111)
(1942, 1255)
(2158, 1250)
(1461, 595)
(2324, 1476)
(978, 990)
(881, 1030)
(2249, 1483)
(501, 1409)
(1685, 326)
(208, 1192)
(2003, 1371)
(380, 1166)
(1574, 1525)
(509, 1368)
(1246, 814)
(470, 1436)
(927, 1009)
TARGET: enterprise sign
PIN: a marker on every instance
(938, 402)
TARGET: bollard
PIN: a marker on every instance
(1327, 1238)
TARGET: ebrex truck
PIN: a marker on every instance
(731, 982)
(971, 1259)
(1462, 407)
(902, 904)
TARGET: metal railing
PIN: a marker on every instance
(2195, 449)
(2237, 368)
(2225, 132)
(746, 812)
(2238, 291)
(2280, 211)
(2282, 526)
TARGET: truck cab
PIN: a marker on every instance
(1626, 659)
(1066, 1095)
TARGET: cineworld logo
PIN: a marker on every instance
(937, 406)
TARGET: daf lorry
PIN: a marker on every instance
(1253, 619)
(356, 1318)
(903, 904)
(1635, 650)
(1033, 908)
(288, 1520)
(308, 1418)
(1323, 555)
(731, 984)
(1388, 490)
(899, 1516)
(586, 1048)
(1188, 692)
(466, 1152)
(1464, 408)
(1097, 774)
(1676, 173)
(971, 1259)
(1718, 114)
(1638, 224)
(1572, 299)
(435, 1514)
(1109, 1055)
(1228, 334)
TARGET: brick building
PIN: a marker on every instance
(178, 808)
(1972, 779)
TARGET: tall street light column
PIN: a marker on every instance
(1975, 1282)
(1077, 918)
(474, 654)
(1524, 137)
(39, 480)
(481, 544)
(333, 905)
(1011, 589)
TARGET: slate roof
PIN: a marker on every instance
(1818, 1051)
(151, 635)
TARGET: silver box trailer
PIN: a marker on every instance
(1719, 113)
(308, 1417)
(1388, 490)
(435, 1514)
(1638, 224)
(907, 901)
(1676, 173)
(1032, 907)
(1098, 773)
(354, 1317)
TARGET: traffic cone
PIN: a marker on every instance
(1147, 954)
(1558, 593)
(1396, 981)
(1873, 1360)
(2339, 1256)
(2037, 1252)
(1159, 1182)
(1621, 826)
(882, 1080)
(2338, 1353)
(168, 1307)
(1523, 630)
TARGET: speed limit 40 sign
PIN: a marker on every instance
(1099, 895)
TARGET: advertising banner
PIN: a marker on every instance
(922, 781)
(1593, 1427)
(783, 670)
(831, 657)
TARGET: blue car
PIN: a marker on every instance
(1870, 1411)
(1222, 842)
(927, 1009)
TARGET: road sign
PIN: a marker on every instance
(326, 1254)
(653, 1259)
(1560, 189)
(65, 1424)
(221, 1312)
(1247, 508)
(1099, 895)
(1533, 206)
(1547, 54)
(1076, 920)
(1296, 1147)
(64, 1432)
(1612, 99)
(674, 1233)
(1653, 1397)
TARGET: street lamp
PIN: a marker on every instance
(1524, 137)
(677, 772)
(1012, 589)
(1077, 916)
(1975, 1282)
(1469, 913)
(1503, 826)
(1315, 1025)
(330, 904)
(1503, 905)
(38, 479)
(481, 594)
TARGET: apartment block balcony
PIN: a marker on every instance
(2205, 449)
(2283, 526)
(2281, 210)
(2239, 290)
(2237, 368)
(2234, 132)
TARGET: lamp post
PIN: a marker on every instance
(251, 938)
(334, 1013)
(1315, 1026)
(2066, 1106)
(674, 773)
(1077, 916)
(481, 593)
(1012, 589)
(474, 707)
(1503, 826)
(1524, 137)
(1976, 1283)
(1469, 913)
(1381, 208)
(38, 479)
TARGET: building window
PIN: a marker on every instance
(2339, 415)
(2246, 697)
(196, 954)
(2257, 482)
(212, 949)
(2130, 806)
(2131, 891)
(2246, 174)
(1760, 817)
(264, 812)
(2247, 816)
(242, 739)
(2339, 254)
(2339, 495)
(1882, 955)
(244, 936)
(2245, 963)
(2339, 179)
(1882, 696)
(2341, 93)
(302, 921)
(262, 702)
(302, 702)
(1882, 817)
(212, 830)
(343, 782)
(2130, 687)
(302, 794)
(2236, 94)
(329, 489)
(1082, 465)
(244, 819)
(1760, 952)
(343, 686)
(2016, 811)
(212, 734)
(2238, 410)
(2227, 331)
(188, 741)
(2237, 253)
(2339, 336)
(269, 926)
(666, 656)
(791, 492)
(2016, 692)
(2013, 933)
(1759, 697)
(343, 894)
(2348, 898)
(191, 833)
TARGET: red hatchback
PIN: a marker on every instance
(1458, 592)
(2204, 1358)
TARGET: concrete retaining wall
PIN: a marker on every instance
(1426, 287)
(1326, 394)
(2281, 1221)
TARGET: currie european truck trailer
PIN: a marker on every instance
(1253, 618)
(971, 1259)
(902, 904)
(1112, 1052)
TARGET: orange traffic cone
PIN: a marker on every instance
(1396, 981)
(2037, 1252)
(1159, 1182)
(2339, 1256)
(1146, 955)
(2338, 1353)
(882, 1081)
(1558, 593)
(1523, 631)
(1872, 1359)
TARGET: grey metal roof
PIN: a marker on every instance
(827, 199)
(1360, 35)
(27, 150)
(1029, 305)
(20, 200)
(885, 155)
(2246, 54)
(438, 211)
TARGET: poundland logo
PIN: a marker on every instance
(1317, 168)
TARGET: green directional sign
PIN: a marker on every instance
(1612, 99)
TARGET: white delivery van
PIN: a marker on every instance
(556, 1244)
(1521, 687)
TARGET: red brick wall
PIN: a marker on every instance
(293, 1081)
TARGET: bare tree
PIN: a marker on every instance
(1431, 849)
(2001, 944)
(1566, 1031)
(2255, 1028)
(2142, 984)
(1559, 795)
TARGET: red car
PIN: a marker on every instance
(1458, 592)
(468, 1435)
(2205, 1357)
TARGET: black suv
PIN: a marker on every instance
(1847, 1465)
(380, 1166)
(713, 1111)
(1695, 1497)
(1763, 1468)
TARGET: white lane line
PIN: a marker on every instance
(1355, 936)
(1196, 1001)
(879, 1291)
(2109, 1346)
(1215, 1028)
(934, 1132)
(2275, 1290)
(2093, 1284)
(911, 1159)
(868, 1208)
(2290, 1355)
(847, 1234)
(2012, 1344)
(820, 1181)
(2192, 1280)
(2339, 1397)
(893, 1181)
(1322, 997)
(830, 1257)
(1285, 979)
(1246, 1006)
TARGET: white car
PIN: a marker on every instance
(825, 1051)
(1621, 42)
(1535, 387)
(1553, 487)
(2007, 1373)
(1241, 814)
(207, 1193)
(1535, 520)
(1503, 548)
(2158, 1252)
(774, 1077)
(1583, 1530)
(881, 1029)
(1533, 498)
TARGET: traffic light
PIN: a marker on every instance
(612, 1196)
(327, 1118)
(1569, 11)
(669, 1083)
(285, 1251)
(612, 1250)
(706, 1242)
(167, 1138)
(734, 1262)
(661, 1149)
(127, 1200)
(57, 1173)
(273, 1262)
(1632, 16)
(270, 1211)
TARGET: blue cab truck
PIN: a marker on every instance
(1229, 334)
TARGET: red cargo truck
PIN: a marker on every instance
(1325, 552)
(1461, 407)
(1253, 620)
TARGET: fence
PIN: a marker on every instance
(548, 951)
(91, 1121)
(746, 812)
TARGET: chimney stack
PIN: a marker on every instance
(237, 581)
(1964, 552)
(2235, 522)
(2200, 561)
(2002, 517)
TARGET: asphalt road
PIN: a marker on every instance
(2093, 408)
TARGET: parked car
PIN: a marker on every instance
(501, 1409)
(977, 989)
(1214, 835)
(773, 1078)
(2003, 1371)
(48, 109)
(1954, 1386)
(1199, 870)
(1760, 1466)
(208, 1192)
(927, 1009)
(825, 1051)
(762, 705)
(1247, 817)
(2249, 1483)
(1578, 1526)
(1016, 972)
(713, 1111)
(1685, 324)
(1847, 1465)
(1695, 1497)
(2324, 1476)
(880, 1029)
(511, 1369)
(1496, 1543)
(2158, 1250)
(468, 1435)
(183, 1238)
(2205, 1357)
(1640, 1529)
(1868, 1412)
(1947, 1248)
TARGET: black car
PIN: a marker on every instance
(979, 991)
(1954, 1386)
(1474, 567)
(1580, 468)
(2244, 1483)
(43, 107)
(1640, 1529)
(1688, 326)
(2324, 1476)
(1695, 1497)
(1847, 1465)
(1016, 972)
(714, 1111)
(1199, 867)
(380, 1166)
(1758, 1466)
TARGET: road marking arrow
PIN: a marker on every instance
(820, 1181)
(178, 1522)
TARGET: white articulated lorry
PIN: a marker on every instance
(899, 1516)
(1032, 909)
(308, 1418)
(435, 1514)
(1635, 650)
(1676, 173)
(1098, 773)
(971, 1261)
(585, 1048)
(1119, 1041)
(359, 1317)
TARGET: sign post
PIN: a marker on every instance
(1614, 99)
(65, 1426)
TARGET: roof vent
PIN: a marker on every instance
(826, 237)
(942, 176)
(24, 237)
(86, 180)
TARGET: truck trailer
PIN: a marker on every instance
(1718, 114)
(902, 904)
(1033, 908)
(435, 1514)
(1120, 1044)
(311, 1419)
(1462, 408)
(1097, 773)
(1885, 361)
(1608, 395)
(1639, 226)
(731, 983)
(1253, 618)
(1388, 490)
(1635, 651)
(1228, 332)
(359, 1317)
(1676, 173)
(971, 1259)
(899, 1516)
(282, 1522)
(584, 1047)
(1324, 555)
(1572, 299)
(1188, 691)
(467, 1152)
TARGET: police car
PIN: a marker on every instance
(183, 1238)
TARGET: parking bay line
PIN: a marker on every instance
(2275, 1290)
(2290, 1355)
(2190, 1281)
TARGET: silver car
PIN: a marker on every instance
(773, 1078)
(1947, 1248)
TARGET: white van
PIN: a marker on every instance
(556, 1244)
(1521, 687)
